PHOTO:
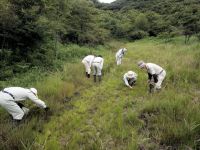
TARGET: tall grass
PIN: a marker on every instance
(108, 115)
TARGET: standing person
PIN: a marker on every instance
(130, 78)
(156, 74)
(10, 98)
(97, 67)
(119, 55)
(87, 61)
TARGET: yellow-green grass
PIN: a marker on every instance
(108, 115)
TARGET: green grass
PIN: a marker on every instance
(111, 116)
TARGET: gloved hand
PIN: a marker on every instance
(46, 109)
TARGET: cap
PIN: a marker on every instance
(141, 64)
(33, 90)
(124, 49)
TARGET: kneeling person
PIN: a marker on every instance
(10, 98)
(130, 78)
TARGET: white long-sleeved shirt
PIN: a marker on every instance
(126, 78)
(120, 53)
(89, 59)
(21, 94)
(99, 60)
(153, 68)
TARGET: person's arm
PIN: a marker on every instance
(149, 76)
(102, 63)
(155, 77)
(126, 81)
(36, 100)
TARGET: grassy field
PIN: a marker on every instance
(108, 115)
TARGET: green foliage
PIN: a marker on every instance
(141, 22)
(136, 35)
(108, 115)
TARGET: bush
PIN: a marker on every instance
(136, 35)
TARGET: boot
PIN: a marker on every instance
(99, 78)
(26, 110)
(88, 75)
(16, 123)
(95, 79)
(151, 88)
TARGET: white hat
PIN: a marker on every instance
(130, 74)
(141, 64)
(124, 49)
(33, 90)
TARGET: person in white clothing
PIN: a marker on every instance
(156, 74)
(87, 61)
(97, 67)
(119, 55)
(130, 79)
(11, 96)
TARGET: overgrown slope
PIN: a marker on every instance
(111, 116)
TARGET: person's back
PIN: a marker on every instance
(97, 67)
(89, 58)
(153, 68)
(98, 60)
(19, 93)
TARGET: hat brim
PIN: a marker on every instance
(142, 66)
(130, 76)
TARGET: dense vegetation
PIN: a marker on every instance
(31, 30)
(109, 115)
(42, 43)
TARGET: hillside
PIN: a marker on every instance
(111, 116)
(159, 6)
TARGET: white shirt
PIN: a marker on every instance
(99, 60)
(89, 59)
(126, 78)
(21, 94)
(120, 53)
(153, 68)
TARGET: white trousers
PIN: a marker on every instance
(119, 60)
(7, 102)
(87, 66)
(97, 69)
(161, 77)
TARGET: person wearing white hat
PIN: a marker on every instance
(87, 61)
(97, 67)
(119, 55)
(11, 96)
(156, 74)
(130, 78)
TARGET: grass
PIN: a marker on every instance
(108, 115)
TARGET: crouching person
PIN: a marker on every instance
(10, 98)
(156, 74)
(97, 67)
(130, 79)
(87, 61)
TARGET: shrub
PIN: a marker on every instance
(136, 35)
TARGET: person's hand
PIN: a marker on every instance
(46, 109)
